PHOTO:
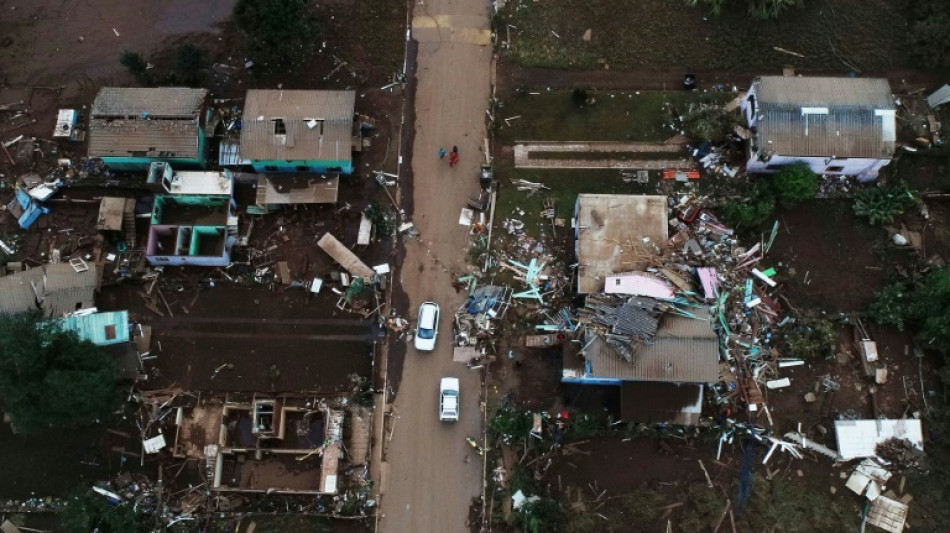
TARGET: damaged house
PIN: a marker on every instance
(659, 350)
(195, 222)
(838, 126)
(298, 131)
(132, 127)
(55, 288)
(659, 356)
(266, 444)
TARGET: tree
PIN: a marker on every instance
(49, 377)
(87, 511)
(931, 33)
(749, 213)
(277, 32)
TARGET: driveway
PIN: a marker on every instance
(432, 475)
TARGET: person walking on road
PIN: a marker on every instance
(454, 158)
(442, 153)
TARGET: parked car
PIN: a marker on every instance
(449, 400)
(427, 328)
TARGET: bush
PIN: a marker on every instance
(750, 213)
(190, 62)
(882, 204)
(759, 9)
(709, 123)
(87, 511)
(889, 307)
(541, 516)
(793, 184)
(136, 65)
(810, 337)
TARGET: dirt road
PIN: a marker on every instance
(427, 483)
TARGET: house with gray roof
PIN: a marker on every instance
(298, 131)
(838, 126)
(132, 127)
(56, 289)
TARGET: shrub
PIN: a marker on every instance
(889, 307)
(190, 61)
(136, 65)
(793, 184)
(882, 204)
(749, 213)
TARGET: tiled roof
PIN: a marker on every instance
(160, 102)
(143, 138)
(823, 117)
(302, 140)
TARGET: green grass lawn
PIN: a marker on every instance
(641, 116)
(629, 34)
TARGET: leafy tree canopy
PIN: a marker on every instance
(278, 32)
(49, 377)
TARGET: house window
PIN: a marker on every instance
(110, 332)
(78, 306)
(270, 168)
(752, 106)
(774, 167)
(303, 168)
(279, 127)
(836, 168)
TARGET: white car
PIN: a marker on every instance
(449, 400)
(427, 328)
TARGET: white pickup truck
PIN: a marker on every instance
(449, 400)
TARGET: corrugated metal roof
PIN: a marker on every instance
(62, 288)
(159, 102)
(301, 140)
(684, 350)
(823, 117)
(143, 138)
(100, 329)
(610, 228)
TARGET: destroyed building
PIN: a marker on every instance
(838, 126)
(660, 360)
(298, 131)
(267, 444)
(195, 222)
(612, 234)
(56, 289)
(132, 127)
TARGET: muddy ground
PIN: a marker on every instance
(276, 338)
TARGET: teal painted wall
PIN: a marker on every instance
(343, 167)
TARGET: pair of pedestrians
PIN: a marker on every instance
(453, 157)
